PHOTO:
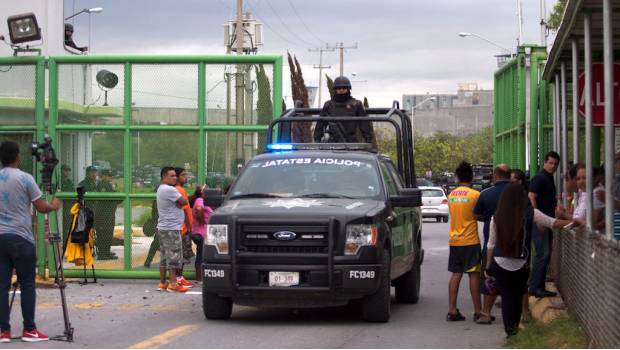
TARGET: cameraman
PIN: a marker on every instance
(17, 246)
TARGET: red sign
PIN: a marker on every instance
(598, 94)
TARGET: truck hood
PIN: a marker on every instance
(300, 207)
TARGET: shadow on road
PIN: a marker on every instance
(349, 314)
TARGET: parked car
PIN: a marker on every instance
(435, 204)
(420, 181)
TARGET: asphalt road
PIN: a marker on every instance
(131, 313)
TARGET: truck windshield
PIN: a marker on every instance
(308, 177)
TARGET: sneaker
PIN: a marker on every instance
(5, 337)
(162, 287)
(34, 336)
(177, 288)
(185, 283)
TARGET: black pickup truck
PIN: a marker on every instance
(314, 225)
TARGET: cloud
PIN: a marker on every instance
(403, 46)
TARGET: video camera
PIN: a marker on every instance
(44, 153)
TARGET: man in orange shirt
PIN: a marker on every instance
(187, 224)
(464, 242)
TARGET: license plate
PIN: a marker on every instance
(283, 279)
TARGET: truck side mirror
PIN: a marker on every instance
(213, 197)
(407, 197)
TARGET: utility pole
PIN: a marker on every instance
(341, 47)
(239, 81)
(320, 67)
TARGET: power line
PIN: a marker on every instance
(304, 23)
(286, 26)
(269, 27)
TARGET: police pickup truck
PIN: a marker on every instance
(315, 225)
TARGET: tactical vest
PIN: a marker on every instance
(344, 109)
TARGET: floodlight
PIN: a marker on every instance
(107, 81)
(23, 28)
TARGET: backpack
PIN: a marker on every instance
(83, 225)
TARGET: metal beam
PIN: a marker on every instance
(587, 48)
(575, 82)
(564, 133)
(608, 62)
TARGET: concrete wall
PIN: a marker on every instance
(464, 113)
(458, 121)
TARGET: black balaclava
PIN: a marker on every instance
(342, 97)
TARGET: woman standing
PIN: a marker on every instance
(201, 215)
(508, 250)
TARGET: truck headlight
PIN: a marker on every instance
(217, 236)
(359, 236)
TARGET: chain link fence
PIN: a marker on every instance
(585, 266)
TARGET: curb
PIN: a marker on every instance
(547, 310)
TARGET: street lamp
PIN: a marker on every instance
(464, 34)
(89, 11)
(430, 98)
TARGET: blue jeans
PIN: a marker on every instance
(199, 241)
(19, 254)
(542, 243)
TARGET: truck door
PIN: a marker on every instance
(401, 244)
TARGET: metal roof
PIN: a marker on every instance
(572, 27)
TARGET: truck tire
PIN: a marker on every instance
(215, 307)
(407, 286)
(376, 307)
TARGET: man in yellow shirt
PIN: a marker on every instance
(464, 242)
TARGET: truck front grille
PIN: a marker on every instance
(262, 239)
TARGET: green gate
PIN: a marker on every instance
(116, 120)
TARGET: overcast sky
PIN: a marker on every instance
(404, 46)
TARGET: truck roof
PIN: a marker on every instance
(361, 155)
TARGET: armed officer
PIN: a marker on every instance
(343, 105)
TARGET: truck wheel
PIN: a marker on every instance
(407, 286)
(215, 307)
(376, 307)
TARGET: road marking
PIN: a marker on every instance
(193, 293)
(164, 338)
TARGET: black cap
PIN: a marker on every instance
(91, 169)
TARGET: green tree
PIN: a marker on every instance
(442, 152)
(330, 85)
(555, 17)
(300, 131)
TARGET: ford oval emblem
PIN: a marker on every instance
(284, 235)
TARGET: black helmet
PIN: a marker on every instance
(68, 27)
(342, 82)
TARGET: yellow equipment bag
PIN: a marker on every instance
(77, 253)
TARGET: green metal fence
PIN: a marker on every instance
(22, 115)
(519, 100)
(207, 114)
